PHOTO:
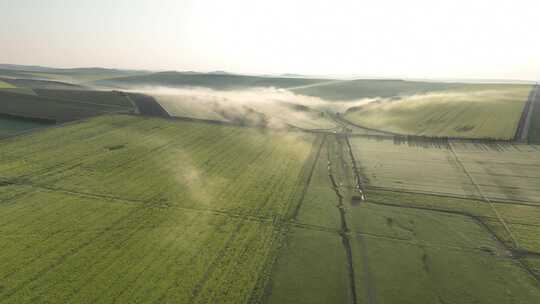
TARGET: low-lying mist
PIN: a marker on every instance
(266, 107)
(413, 102)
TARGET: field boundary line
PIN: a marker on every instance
(307, 183)
(344, 232)
(501, 201)
(135, 107)
(501, 219)
(148, 203)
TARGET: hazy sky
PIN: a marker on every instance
(413, 38)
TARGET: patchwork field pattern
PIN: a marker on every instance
(501, 171)
(131, 209)
(456, 249)
(144, 210)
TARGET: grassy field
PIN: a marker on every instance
(312, 264)
(400, 247)
(107, 98)
(10, 126)
(143, 210)
(470, 111)
(451, 258)
(133, 209)
(501, 171)
(505, 171)
(5, 85)
(54, 109)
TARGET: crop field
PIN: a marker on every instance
(471, 111)
(193, 222)
(153, 210)
(10, 125)
(450, 257)
(504, 171)
(5, 85)
(128, 208)
(500, 171)
(56, 110)
(87, 96)
(456, 249)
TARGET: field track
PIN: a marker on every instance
(344, 232)
(522, 132)
(146, 105)
(479, 190)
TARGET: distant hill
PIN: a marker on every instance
(371, 88)
(207, 80)
(76, 75)
(328, 89)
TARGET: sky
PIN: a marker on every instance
(473, 39)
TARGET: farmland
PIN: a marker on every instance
(502, 171)
(470, 111)
(10, 125)
(195, 212)
(72, 223)
(5, 85)
(425, 231)
(56, 110)
(54, 101)
(241, 193)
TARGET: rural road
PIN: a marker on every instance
(522, 132)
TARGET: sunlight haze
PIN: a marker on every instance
(415, 39)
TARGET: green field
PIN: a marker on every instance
(126, 208)
(58, 110)
(502, 171)
(186, 200)
(133, 209)
(404, 247)
(5, 85)
(471, 111)
(106, 98)
(10, 126)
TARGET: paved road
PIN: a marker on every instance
(522, 133)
